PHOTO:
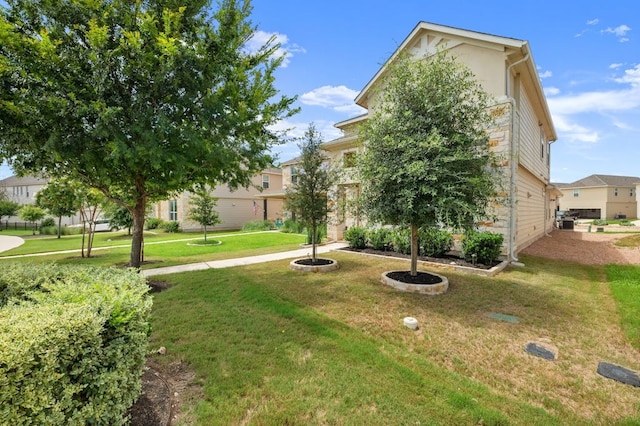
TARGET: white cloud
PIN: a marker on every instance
(620, 31)
(286, 50)
(337, 98)
(593, 21)
(574, 132)
(551, 91)
(615, 66)
(545, 74)
(631, 76)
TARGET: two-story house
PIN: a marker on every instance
(522, 132)
(235, 208)
(601, 197)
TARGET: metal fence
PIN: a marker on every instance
(26, 226)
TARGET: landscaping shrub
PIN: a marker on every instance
(72, 343)
(600, 222)
(485, 245)
(153, 223)
(290, 226)
(47, 223)
(356, 236)
(171, 226)
(258, 225)
(626, 222)
(380, 238)
(321, 232)
(402, 240)
(434, 242)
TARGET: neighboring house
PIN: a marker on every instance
(235, 208)
(602, 197)
(522, 133)
(22, 190)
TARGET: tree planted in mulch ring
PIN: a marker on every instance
(309, 264)
(420, 278)
(319, 261)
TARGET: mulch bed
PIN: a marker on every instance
(318, 262)
(449, 259)
(422, 278)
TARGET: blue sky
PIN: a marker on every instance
(587, 53)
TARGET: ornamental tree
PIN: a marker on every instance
(31, 213)
(60, 198)
(427, 161)
(137, 99)
(204, 210)
(8, 208)
(308, 197)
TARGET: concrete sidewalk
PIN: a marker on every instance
(228, 263)
(8, 242)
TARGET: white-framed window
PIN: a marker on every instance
(576, 192)
(349, 159)
(265, 181)
(543, 142)
(615, 192)
(294, 174)
(630, 192)
(173, 209)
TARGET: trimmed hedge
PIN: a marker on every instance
(356, 236)
(485, 245)
(434, 242)
(72, 343)
(381, 238)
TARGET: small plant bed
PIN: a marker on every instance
(205, 243)
(422, 278)
(422, 282)
(450, 258)
(308, 264)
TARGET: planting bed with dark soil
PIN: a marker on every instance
(449, 259)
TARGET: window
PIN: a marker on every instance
(576, 192)
(349, 159)
(630, 192)
(294, 175)
(265, 181)
(173, 210)
(615, 192)
(542, 143)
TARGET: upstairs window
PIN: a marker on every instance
(349, 159)
(615, 192)
(576, 192)
(630, 192)
(265, 181)
(294, 175)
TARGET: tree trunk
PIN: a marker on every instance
(314, 243)
(59, 226)
(90, 235)
(138, 229)
(414, 250)
(205, 234)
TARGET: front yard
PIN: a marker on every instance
(272, 346)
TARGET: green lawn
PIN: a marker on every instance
(272, 346)
(160, 249)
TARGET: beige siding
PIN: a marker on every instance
(531, 209)
(533, 150)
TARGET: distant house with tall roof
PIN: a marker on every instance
(601, 196)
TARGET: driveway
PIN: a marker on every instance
(7, 242)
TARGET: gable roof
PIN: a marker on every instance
(451, 37)
(22, 181)
(604, 180)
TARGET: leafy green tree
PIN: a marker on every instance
(119, 216)
(60, 198)
(137, 99)
(204, 209)
(31, 213)
(426, 160)
(8, 208)
(308, 197)
(92, 201)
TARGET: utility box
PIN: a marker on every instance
(567, 223)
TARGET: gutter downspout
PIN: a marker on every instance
(514, 166)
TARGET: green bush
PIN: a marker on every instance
(72, 343)
(53, 230)
(171, 226)
(626, 222)
(380, 238)
(485, 245)
(434, 242)
(402, 240)
(153, 223)
(258, 225)
(321, 233)
(600, 222)
(356, 236)
(290, 226)
(47, 223)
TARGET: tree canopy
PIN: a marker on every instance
(426, 160)
(137, 99)
(59, 197)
